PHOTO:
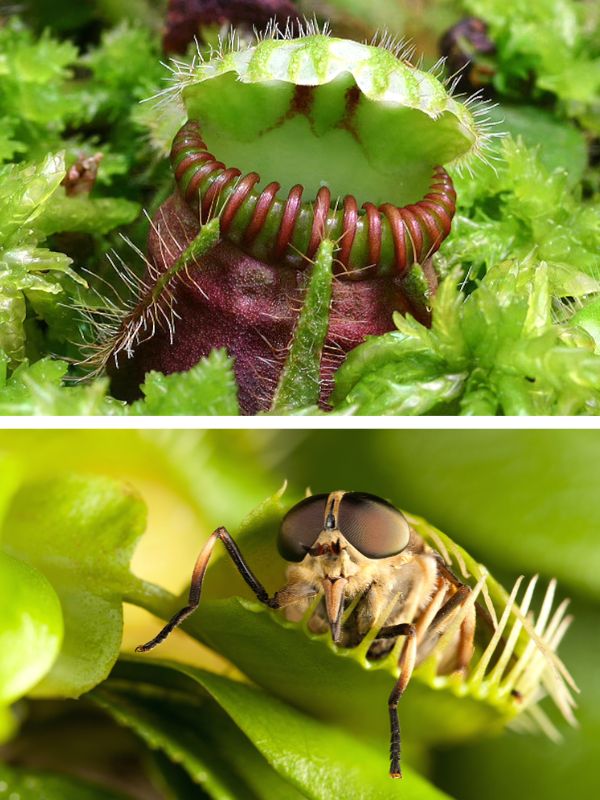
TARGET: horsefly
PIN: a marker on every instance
(361, 572)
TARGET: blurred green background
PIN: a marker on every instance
(522, 502)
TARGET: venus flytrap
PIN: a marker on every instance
(514, 667)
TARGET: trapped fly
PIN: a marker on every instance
(358, 566)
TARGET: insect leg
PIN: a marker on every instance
(436, 616)
(466, 643)
(429, 634)
(456, 601)
(429, 613)
(406, 664)
(198, 578)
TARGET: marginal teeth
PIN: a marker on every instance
(522, 650)
(536, 671)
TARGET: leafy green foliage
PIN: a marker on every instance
(60, 108)
(80, 533)
(125, 70)
(555, 143)
(520, 208)
(497, 350)
(38, 390)
(35, 97)
(24, 191)
(192, 731)
(208, 388)
(61, 103)
(550, 45)
(588, 318)
(278, 732)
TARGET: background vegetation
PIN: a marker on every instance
(523, 502)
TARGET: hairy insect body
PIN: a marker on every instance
(378, 593)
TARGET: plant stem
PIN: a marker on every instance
(151, 597)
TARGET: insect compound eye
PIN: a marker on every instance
(301, 526)
(375, 527)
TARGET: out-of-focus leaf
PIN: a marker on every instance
(319, 760)
(193, 732)
(34, 92)
(538, 767)
(389, 16)
(548, 45)
(80, 533)
(31, 627)
(190, 20)
(85, 214)
(33, 785)
(126, 67)
(559, 143)
(201, 467)
(10, 478)
(526, 501)
(173, 780)
(8, 724)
